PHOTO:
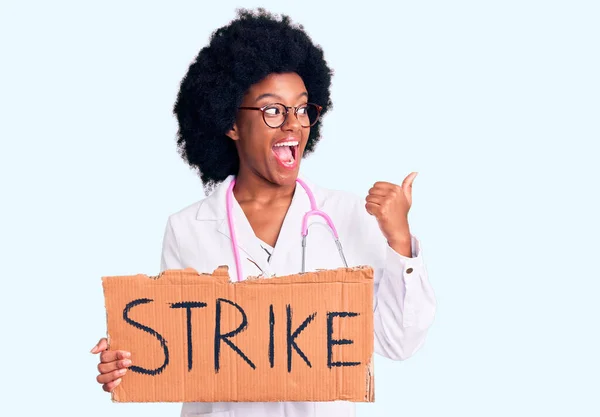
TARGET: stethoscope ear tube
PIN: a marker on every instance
(229, 207)
(337, 243)
(313, 211)
(341, 251)
(303, 254)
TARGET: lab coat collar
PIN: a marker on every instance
(213, 207)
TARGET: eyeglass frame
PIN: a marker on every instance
(287, 111)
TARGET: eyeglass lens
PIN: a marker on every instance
(275, 115)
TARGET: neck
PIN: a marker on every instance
(251, 187)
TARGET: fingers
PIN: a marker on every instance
(373, 209)
(111, 376)
(380, 187)
(105, 368)
(100, 346)
(375, 199)
(378, 195)
(384, 185)
(384, 189)
(113, 365)
(114, 355)
(111, 385)
(382, 192)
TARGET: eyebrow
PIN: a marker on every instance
(305, 94)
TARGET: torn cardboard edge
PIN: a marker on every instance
(221, 273)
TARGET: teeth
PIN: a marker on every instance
(290, 143)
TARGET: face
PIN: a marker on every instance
(273, 154)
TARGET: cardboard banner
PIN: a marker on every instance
(201, 338)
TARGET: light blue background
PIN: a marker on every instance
(495, 103)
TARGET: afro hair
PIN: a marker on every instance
(239, 55)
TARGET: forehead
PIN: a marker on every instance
(288, 86)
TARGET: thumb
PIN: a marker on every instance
(100, 346)
(407, 186)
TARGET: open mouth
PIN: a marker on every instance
(286, 153)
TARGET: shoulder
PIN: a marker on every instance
(211, 207)
(189, 211)
(184, 216)
(327, 196)
(344, 205)
(348, 211)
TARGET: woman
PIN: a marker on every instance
(249, 109)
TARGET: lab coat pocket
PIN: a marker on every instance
(212, 414)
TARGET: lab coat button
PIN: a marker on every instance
(409, 270)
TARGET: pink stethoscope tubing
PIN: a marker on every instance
(314, 211)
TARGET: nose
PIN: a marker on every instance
(291, 122)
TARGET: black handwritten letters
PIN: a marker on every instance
(225, 337)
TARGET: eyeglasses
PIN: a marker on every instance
(276, 114)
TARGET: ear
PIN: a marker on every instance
(233, 133)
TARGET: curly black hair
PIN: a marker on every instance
(240, 54)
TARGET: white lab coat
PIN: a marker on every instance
(404, 305)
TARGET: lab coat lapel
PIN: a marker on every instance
(287, 256)
(247, 241)
(214, 208)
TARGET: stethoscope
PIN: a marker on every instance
(314, 211)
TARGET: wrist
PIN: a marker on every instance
(401, 244)
(400, 238)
